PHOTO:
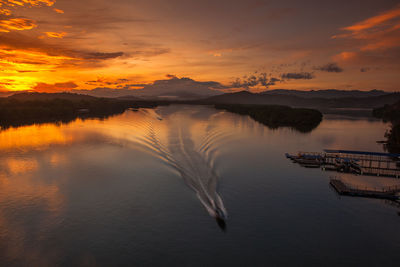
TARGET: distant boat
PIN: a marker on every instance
(83, 110)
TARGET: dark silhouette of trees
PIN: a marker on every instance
(391, 113)
(25, 109)
(274, 116)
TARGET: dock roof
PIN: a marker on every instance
(381, 154)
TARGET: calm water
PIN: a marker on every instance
(142, 188)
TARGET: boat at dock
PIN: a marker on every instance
(357, 162)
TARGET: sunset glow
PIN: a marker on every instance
(45, 43)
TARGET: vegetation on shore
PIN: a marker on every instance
(327, 104)
(274, 116)
(31, 108)
(391, 113)
(26, 109)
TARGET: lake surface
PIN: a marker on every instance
(143, 188)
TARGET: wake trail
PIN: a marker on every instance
(195, 164)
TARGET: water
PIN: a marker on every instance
(145, 188)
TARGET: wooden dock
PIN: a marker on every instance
(346, 190)
(358, 162)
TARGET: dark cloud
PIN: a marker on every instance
(273, 81)
(170, 76)
(365, 69)
(27, 71)
(256, 79)
(298, 76)
(102, 56)
(330, 67)
(121, 83)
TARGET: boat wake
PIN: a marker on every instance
(195, 163)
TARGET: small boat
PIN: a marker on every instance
(289, 156)
(305, 161)
(220, 218)
(316, 165)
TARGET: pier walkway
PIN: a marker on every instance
(359, 162)
(391, 193)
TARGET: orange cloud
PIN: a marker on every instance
(373, 38)
(344, 56)
(55, 34)
(28, 2)
(51, 88)
(19, 24)
(16, 25)
(374, 21)
(5, 11)
(23, 69)
(59, 11)
(39, 2)
(20, 3)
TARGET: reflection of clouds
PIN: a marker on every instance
(16, 166)
(57, 158)
(32, 196)
(34, 191)
(45, 136)
(33, 137)
(28, 206)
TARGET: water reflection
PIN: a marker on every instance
(195, 162)
(113, 192)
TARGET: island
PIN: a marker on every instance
(274, 116)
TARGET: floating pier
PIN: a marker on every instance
(358, 162)
(391, 193)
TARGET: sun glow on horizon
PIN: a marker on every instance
(78, 46)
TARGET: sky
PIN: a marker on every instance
(224, 45)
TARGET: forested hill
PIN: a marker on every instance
(245, 97)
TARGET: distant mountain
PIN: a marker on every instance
(49, 96)
(330, 93)
(129, 97)
(160, 90)
(245, 97)
(105, 92)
